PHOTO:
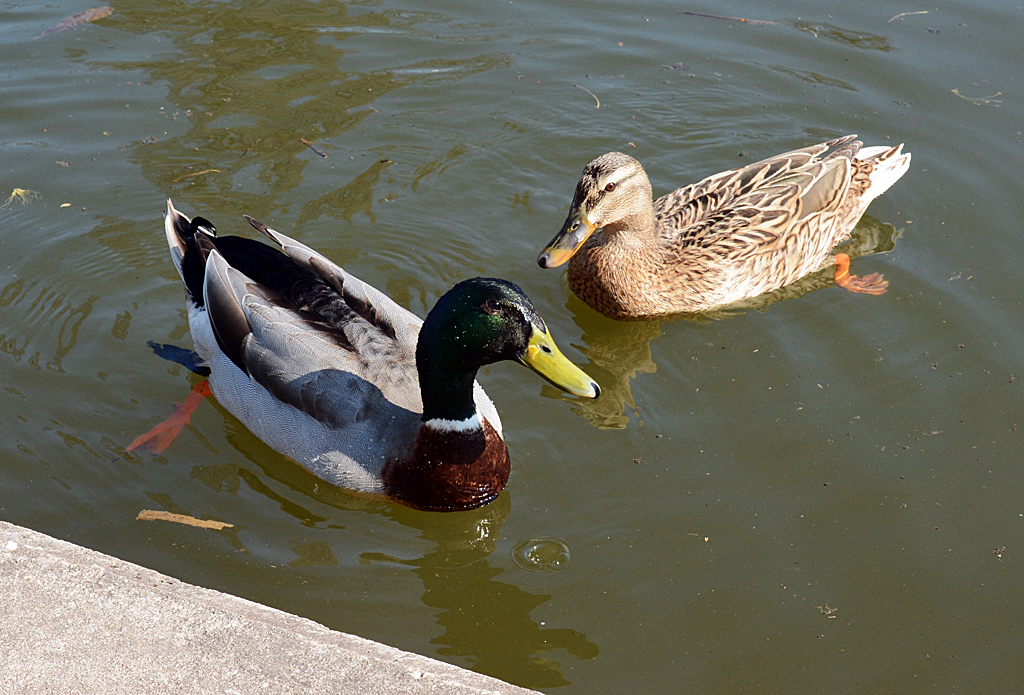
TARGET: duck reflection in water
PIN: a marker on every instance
(620, 350)
(487, 623)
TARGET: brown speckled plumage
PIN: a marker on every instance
(732, 236)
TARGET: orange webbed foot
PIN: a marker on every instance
(161, 436)
(868, 284)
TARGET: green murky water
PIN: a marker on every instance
(819, 495)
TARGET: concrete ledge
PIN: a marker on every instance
(73, 620)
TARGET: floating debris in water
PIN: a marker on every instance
(20, 195)
(590, 93)
(978, 101)
(901, 15)
(313, 147)
(80, 18)
(198, 173)
(731, 19)
(157, 515)
(827, 612)
(249, 148)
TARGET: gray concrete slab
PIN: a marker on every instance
(73, 620)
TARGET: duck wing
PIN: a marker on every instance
(375, 316)
(759, 207)
(367, 302)
(306, 345)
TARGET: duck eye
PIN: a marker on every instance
(491, 306)
(610, 187)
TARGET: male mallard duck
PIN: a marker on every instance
(732, 236)
(334, 374)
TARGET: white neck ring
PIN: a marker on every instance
(470, 424)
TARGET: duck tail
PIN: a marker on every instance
(888, 165)
(176, 228)
(190, 242)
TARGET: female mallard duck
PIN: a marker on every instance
(334, 374)
(732, 236)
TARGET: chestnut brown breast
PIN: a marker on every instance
(450, 471)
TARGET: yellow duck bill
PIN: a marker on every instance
(543, 356)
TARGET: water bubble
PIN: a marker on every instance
(547, 554)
